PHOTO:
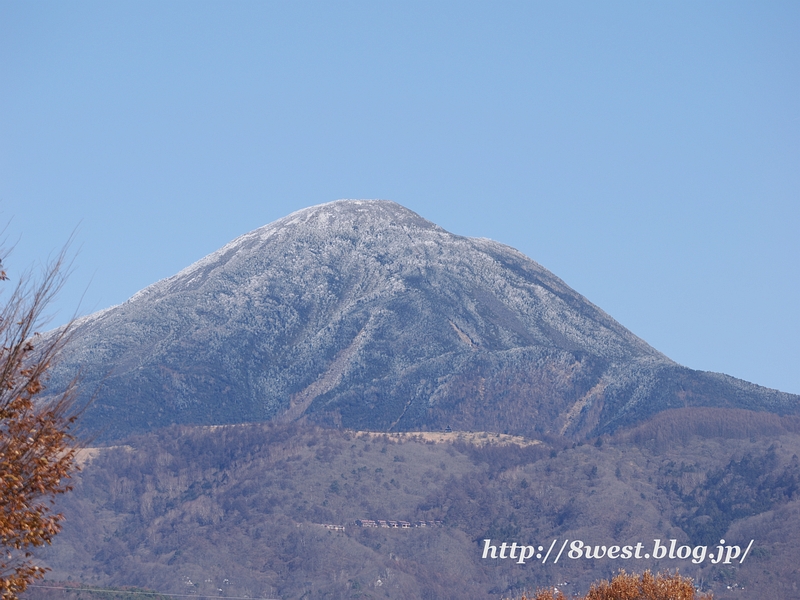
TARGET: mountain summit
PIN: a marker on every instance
(362, 314)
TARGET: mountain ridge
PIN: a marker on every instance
(362, 314)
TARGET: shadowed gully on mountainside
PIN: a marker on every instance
(362, 314)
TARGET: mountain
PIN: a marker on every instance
(361, 314)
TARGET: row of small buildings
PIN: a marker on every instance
(397, 524)
(385, 524)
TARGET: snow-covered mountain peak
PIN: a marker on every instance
(360, 313)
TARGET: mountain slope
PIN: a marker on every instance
(191, 510)
(362, 314)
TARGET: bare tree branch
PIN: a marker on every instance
(37, 450)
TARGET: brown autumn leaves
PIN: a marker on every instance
(37, 451)
(663, 586)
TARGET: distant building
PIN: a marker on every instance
(366, 523)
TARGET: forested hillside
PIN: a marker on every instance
(243, 509)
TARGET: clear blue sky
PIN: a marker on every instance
(648, 153)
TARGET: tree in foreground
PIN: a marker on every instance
(662, 586)
(37, 451)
